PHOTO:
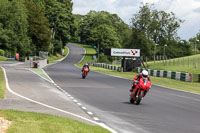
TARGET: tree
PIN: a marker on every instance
(59, 14)
(14, 25)
(38, 29)
(150, 27)
(92, 24)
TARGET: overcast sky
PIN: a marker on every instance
(188, 10)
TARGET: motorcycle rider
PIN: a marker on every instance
(144, 75)
(86, 66)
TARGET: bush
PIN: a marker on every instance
(57, 46)
(2, 58)
(104, 59)
(2, 52)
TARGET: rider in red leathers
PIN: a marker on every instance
(144, 75)
(86, 66)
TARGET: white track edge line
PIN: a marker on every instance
(152, 84)
(51, 107)
(41, 76)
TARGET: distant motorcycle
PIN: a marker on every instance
(140, 90)
(85, 72)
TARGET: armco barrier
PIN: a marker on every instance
(106, 66)
(187, 77)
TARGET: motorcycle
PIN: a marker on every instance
(85, 72)
(139, 90)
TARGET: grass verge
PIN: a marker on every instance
(170, 83)
(2, 84)
(40, 72)
(2, 58)
(183, 64)
(28, 122)
(56, 58)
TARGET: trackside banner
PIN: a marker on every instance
(125, 52)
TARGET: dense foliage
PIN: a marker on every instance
(151, 27)
(30, 26)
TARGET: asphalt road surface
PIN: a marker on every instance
(161, 111)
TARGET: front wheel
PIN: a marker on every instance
(83, 75)
(131, 100)
(139, 98)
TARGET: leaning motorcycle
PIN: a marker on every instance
(139, 90)
(85, 72)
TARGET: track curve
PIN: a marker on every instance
(162, 110)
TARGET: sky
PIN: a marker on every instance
(187, 10)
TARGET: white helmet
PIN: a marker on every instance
(144, 73)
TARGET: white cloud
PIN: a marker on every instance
(188, 10)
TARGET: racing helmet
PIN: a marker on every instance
(86, 64)
(145, 73)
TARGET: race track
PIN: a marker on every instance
(161, 111)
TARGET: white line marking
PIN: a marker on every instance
(96, 119)
(40, 76)
(47, 76)
(83, 56)
(90, 113)
(51, 107)
(79, 104)
(75, 101)
(84, 108)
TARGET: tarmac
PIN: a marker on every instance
(28, 92)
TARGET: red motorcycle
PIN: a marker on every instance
(139, 90)
(85, 72)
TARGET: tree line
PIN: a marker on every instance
(30, 26)
(151, 30)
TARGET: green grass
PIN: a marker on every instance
(170, 83)
(55, 58)
(183, 64)
(40, 72)
(2, 84)
(28, 122)
(2, 58)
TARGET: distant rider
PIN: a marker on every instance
(86, 66)
(145, 76)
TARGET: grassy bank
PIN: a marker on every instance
(26, 122)
(2, 58)
(183, 64)
(55, 58)
(2, 84)
(170, 83)
(29, 122)
(40, 72)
